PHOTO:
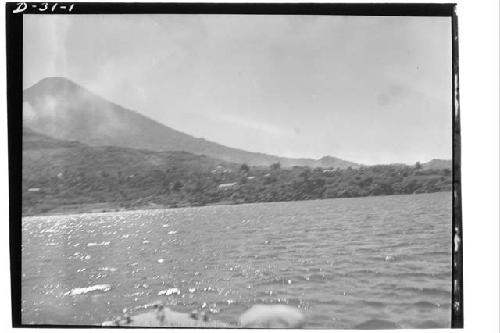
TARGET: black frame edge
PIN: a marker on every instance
(14, 54)
(457, 301)
(308, 8)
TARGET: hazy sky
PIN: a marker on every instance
(366, 89)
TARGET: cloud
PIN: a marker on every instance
(29, 114)
(44, 47)
(254, 124)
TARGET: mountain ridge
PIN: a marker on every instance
(437, 163)
(62, 109)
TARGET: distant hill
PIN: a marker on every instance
(437, 164)
(33, 140)
(44, 156)
(60, 108)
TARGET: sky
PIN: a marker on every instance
(372, 90)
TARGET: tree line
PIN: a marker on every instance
(186, 186)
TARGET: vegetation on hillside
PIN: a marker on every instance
(59, 177)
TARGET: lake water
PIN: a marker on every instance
(376, 262)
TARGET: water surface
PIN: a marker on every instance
(367, 262)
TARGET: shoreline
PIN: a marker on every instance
(60, 211)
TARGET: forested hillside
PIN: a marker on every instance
(61, 177)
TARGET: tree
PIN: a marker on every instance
(418, 166)
(244, 168)
(305, 175)
(269, 180)
(176, 186)
(366, 182)
(275, 166)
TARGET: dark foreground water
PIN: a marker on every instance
(373, 262)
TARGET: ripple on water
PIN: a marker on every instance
(170, 291)
(377, 324)
(333, 252)
(82, 291)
